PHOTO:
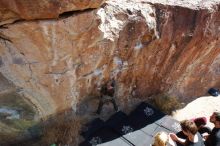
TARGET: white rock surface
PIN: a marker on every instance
(201, 107)
(193, 4)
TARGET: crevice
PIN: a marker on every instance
(157, 11)
(31, 72)
(194, 21)
(34, 62)
(60, 16)
(87, 74)
(159, 19)
(4, 26)
(4, 38)
(74, 13)
(1, 62)
(58, 73)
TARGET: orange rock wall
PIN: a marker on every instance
(13, 10)
(147, 48)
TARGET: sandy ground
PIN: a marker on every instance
(203, 106)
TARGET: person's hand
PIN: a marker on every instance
(205, 136)
(173, 136)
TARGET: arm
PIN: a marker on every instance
(177, 139)
(205, 136)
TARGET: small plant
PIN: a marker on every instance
(62, 130)
(20, 124)
(165, 103)
(5, 138)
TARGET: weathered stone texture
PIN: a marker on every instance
(149, 49)
(13, 10)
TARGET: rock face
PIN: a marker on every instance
(148, 48)
(13, 10)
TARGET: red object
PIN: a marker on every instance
(200, 121)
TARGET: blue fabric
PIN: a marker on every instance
(102, 135)
(143, 115)
(92, 127)
(142, 124)
(116, 119)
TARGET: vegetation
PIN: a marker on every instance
(12, 130)
(20, 124)
(165, 103)
(5, 138)
(62, 130)
(16, 102)
(7, 133)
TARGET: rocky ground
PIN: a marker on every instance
(203, 106)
